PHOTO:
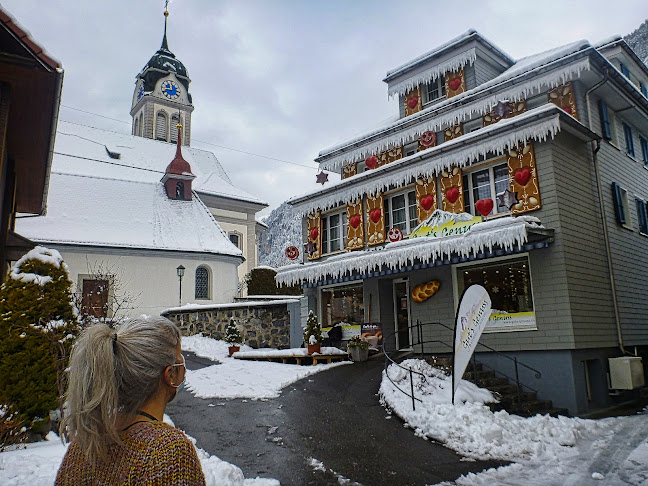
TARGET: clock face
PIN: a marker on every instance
(170, 89)
(140, 92)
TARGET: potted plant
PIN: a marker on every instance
(313, 334)
(358, 349)
(233, 337)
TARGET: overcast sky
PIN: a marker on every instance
(284, 79)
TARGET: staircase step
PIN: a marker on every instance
(478, 375)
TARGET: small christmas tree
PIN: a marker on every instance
(313, 331)
(232, 334)
(38, 326)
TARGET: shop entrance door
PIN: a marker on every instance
(402, 314)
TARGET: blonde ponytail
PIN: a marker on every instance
(112, 373)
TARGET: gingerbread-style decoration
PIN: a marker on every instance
(523, 178)
(314, 235)
(424, 291)
(390, 156)
(453, 132)
(413, 103)
(349, 170)
(563, 97)
(394, 235)
(375, 219)
(455, 83)
(452, 191)
(355, 226)
(504, 109)
(428, 139)
(426, 197)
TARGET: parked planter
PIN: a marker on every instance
(314, 348)
(233, 349)
(358, 354)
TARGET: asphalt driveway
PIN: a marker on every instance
(333, 418)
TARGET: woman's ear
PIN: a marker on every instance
(167, 376)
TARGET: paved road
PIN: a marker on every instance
(333, 417)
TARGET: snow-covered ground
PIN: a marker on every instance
(234, 378)
(38, 463)
(545, 451)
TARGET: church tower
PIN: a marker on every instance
(161, 100)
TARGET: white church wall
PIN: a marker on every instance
(150, 277)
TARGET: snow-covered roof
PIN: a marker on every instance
(506, 233)
(96, 211)
(82, 150)
(537, 124)
(529, 75)
(235, 305)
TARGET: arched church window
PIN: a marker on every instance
(202, 283)
(137, 124)
(180, 190)
(174, 127)
(161, 126)
(141, 125)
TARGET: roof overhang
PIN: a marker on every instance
(35, 81)
(492, 238)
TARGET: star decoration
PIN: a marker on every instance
(310, 248)
(507, 199)
(496, 290)
(502, 109)
(322, 177)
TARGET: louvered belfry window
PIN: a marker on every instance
(160, 126)
(202, 283)
(174, 128)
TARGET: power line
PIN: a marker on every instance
(195, 140)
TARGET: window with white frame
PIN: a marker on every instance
(621, 208)
(334, 232)
(485, 184)
(202, 283)
(236, 239)
(410, 149)
(434, 90)
(642, 216)
(400, 211)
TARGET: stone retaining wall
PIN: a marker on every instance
(266, 326)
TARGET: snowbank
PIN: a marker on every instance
(233, 378)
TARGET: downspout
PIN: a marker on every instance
(606, 238)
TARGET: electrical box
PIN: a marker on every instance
(626, 373)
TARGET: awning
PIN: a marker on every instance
(500, 236)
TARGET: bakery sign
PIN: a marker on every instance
(449, 228)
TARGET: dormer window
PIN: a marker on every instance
(434, 90)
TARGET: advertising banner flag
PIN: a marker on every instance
(472, 316)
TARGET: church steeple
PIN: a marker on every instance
(178, 176)
(162, 99)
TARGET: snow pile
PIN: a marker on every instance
(548, 451)
(42, 254)
(297, 352)
(234, 378)
(538, 124)
(38, 463)
(506, 232)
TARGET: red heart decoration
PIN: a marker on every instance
(375, 215)
(355, 221)
(313, 234)
(427, 201)
(454, 84)
(371, 162)
(452, 194)
(412, 102)
(484, 206)
(567, 108)
(522, 176)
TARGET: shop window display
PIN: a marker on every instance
(343, 305)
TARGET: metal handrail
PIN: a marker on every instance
(421, 342)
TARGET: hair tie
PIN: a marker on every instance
(114, 342)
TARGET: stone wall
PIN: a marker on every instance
(262, 326)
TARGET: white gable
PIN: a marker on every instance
(87, 210)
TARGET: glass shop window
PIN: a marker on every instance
(342, 304)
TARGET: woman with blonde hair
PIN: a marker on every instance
(120, 381)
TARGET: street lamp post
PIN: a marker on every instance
(180, 270)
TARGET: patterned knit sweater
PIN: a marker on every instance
(155, 454)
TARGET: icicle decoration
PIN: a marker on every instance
(506, 233)
(453, 64)
(411, 128)
(370, 182)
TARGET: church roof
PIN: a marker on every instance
(165, 60)
(84, 150)
(88, 210)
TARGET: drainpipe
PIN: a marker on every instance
(596, 147)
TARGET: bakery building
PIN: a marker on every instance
(529, 177)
